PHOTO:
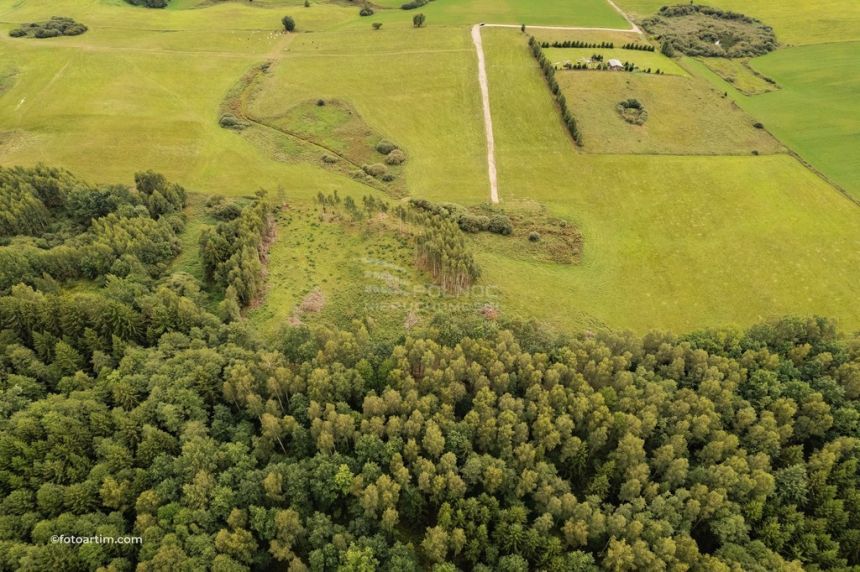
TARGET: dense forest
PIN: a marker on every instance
(127, 408)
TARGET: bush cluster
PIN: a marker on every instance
(549, 73)
(698, 30)
(497, 223)
(56, 26)
(413, 4)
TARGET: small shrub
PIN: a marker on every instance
(534, 236)
(387, 177)
(375, 170)
(307, 3)
(413, 4)
(366, 11)
(377, 25)
(331, 160)
(320, 103)
(230, 121)
(758, 125)
(289, 23)
(385, 147)
(418, 20)
(500, 224)
(396, 157)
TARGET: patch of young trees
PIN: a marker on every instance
(233, 254)
(64, 229)
(548, 70)
(56, 26)
(468, 221)
(474, 445)
(442, 252)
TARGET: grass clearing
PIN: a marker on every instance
(686, 116)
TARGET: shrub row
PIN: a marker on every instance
(578, 44)
(414, 4)
(468, 222)
(549, 73)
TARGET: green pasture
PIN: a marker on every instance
(670, 242)
(686, 116)
(424, 97)
(644, 60)
(817, 110)
(586, 13)
(796, 22)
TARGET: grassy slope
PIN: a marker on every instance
(686, 116)
(670, 242)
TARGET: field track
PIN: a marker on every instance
(485, 88)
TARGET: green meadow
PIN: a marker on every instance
(671, 239)
(670, 242)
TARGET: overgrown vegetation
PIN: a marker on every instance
(698, 30)
(476, 444)
(55, 228)
(549, 73)
(56, 26)
(234, 254)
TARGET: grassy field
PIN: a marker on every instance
(796, 22)
(670, 242)
(686, 116)
(425, 98)
(591, 13)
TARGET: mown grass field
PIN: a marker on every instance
(644, 60)
(686, 116)
(817, 110)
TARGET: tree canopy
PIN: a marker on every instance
(127, 408)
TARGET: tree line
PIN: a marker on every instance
(548, 70)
